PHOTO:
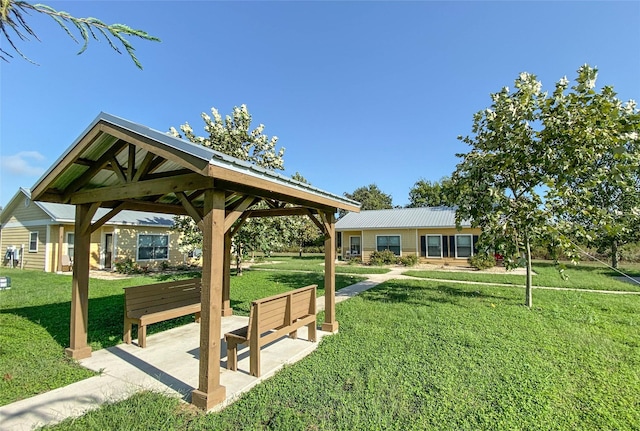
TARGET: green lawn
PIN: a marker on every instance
(423, 355)
(34, 317)
(582, 276)
(315, 264)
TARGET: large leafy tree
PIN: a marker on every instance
(371, 198)
(425, 193)
(13, 24)
(498, 181)
(233, 136)
(535, 160)
(595, 191)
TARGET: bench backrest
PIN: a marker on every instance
(281, 310)
(150, 298)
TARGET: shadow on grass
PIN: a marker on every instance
(416, 294)
(106, 320)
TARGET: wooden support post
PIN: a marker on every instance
(226, 277)
(60, 242)
(330, 323)
(210, 392)
(79, 348)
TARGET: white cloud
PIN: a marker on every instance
(23, 163)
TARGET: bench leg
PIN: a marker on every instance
(254, 357)
(198, 317)
(293, 335)
(142, 336)
(232, 355)
(311, 328)
(127, 332)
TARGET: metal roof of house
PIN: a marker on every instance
(399, 218)
(64, 213)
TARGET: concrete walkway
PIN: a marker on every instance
(169, 365)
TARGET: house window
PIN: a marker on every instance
(464, 246)
(388, 242)
(71, 238)
(354, 245)
(33, 242)
(153, 247)
(434, 246)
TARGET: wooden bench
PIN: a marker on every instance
(152, 303)
(270, 319)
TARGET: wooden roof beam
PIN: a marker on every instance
(140, 189)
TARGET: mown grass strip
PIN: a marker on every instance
(578, 277)
(420, 355)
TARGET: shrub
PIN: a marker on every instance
(384, 257)
(482, 261)
(354, 261)
(408, 260)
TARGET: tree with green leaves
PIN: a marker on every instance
(371, 198)
(498, 181)
(233, 136)
(534, 161)
(14, 24)
(595, 189)
(426, 193)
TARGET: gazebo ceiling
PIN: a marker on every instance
(118, 163)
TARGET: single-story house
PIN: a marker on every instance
(40, 235)
(430, 233)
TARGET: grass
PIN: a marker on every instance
(424, 355)
(578, 277)
(316, 264)
(34, 317)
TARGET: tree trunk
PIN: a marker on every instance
(528, 301)
(238, 261)
(614, 254)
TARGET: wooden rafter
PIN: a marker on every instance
(279, 212)
(85, 224)
(115, 166)
(144, 166)
(96, 167)
(132, 163)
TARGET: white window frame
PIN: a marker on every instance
(152, 234)
(71, 245)
(351, 246)
(470, 245)
(31, 250)
(427, 246)
(400, 242)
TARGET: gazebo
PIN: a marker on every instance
(122, 165)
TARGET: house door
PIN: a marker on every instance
(108, 250)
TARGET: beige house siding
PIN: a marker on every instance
(409, 242)
(127, 245)
(23, 221)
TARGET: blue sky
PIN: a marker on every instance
(358, 92)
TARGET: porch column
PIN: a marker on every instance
(226, 277)
(78, 348)
(210, 392)
(60, 243)
(330, 324)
